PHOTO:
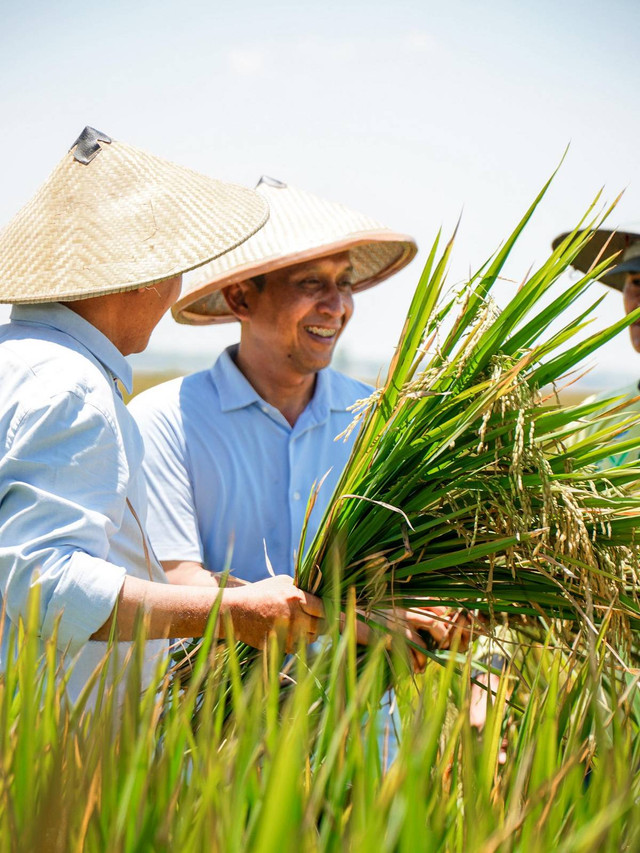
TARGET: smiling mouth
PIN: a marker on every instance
(322, 332)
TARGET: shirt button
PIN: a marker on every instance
(265, 410)
(296, 496)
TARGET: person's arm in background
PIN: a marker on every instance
(191, 573)
(172, 521)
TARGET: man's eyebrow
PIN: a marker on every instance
(348, 269)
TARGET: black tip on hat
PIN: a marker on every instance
(271, 182)
(87, 145)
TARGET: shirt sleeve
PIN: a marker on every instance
(63, 484)
(172, 522)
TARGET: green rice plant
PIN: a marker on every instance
(123, 769)
(473, 487)
(468, 483)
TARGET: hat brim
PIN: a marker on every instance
(207, 305)
(605, 244)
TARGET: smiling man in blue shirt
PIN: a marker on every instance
(232, 453)
(96, 257)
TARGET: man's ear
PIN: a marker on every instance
(236, 298)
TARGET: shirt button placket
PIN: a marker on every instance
(296, 509)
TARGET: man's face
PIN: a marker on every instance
(631, 300)
(299, 314)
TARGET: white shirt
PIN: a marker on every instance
(71, 458)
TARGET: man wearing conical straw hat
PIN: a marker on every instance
(91, 263)
(623, 276)
(623, 247)
(233, 453)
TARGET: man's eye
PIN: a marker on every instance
(347, 284)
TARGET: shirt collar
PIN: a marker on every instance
(236, 392)
(234, 389)
(320, 403)
(58, 316)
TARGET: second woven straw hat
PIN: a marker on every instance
(301, 227)
(112, 218)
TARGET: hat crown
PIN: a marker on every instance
(632, 251)
(301, 226)
(126, 220)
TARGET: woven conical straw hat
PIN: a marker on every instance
(112, 218)
(301, 227)
(604, 244)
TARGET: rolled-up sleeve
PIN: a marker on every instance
(62, 497)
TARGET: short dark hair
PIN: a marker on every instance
(259, 281)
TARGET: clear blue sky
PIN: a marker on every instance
(410, 111)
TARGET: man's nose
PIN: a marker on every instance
(332, 301)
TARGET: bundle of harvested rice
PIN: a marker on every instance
(469, 484)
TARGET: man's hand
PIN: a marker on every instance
(275, 604)
(399, 623)
(404, 625)
(447, 627)
(255, 610)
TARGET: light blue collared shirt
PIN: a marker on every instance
(225, 469)
(70, 460)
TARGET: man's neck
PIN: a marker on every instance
(289, 393)
(109, 316)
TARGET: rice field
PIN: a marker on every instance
(259, 768)
(234, 749)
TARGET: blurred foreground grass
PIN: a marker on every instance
(302, 769)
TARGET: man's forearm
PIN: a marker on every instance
(183, 611)
(171, 610)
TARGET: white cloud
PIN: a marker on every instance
(420, 42)
(330, 49)
(246, 61)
